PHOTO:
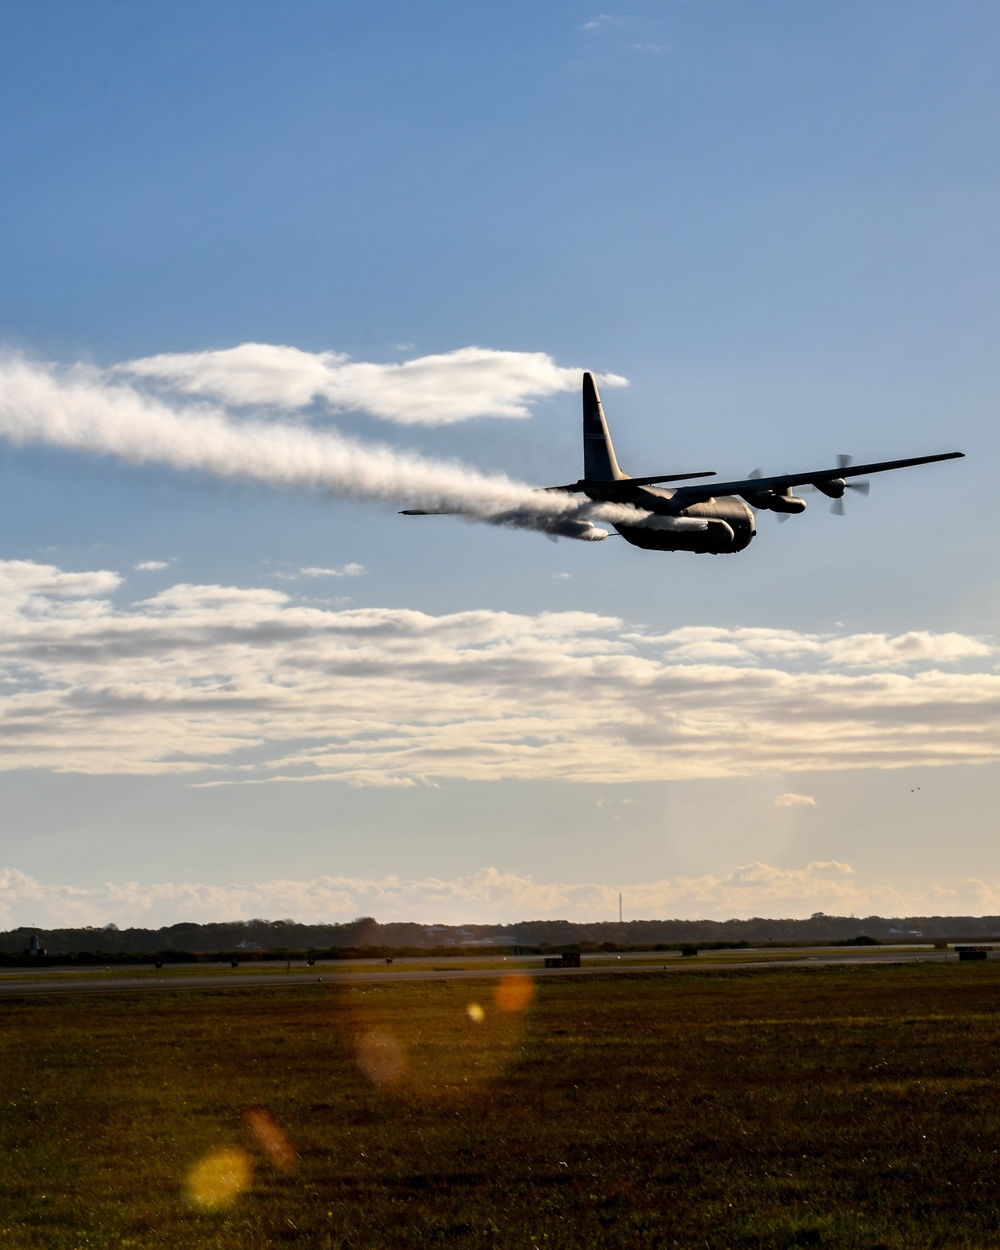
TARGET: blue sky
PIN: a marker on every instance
(776, 223)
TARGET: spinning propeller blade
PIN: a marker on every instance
(862, 486)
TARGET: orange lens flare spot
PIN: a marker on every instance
(475, 1013)
(215, 1182)
(270, 1138)
(514, 993)
(382, 1058)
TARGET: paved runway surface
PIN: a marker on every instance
(22, 984)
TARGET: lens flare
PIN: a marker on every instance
(382, 1058)
(217, 1180)
(270, 1138)
(514, 993)
(434, 1043)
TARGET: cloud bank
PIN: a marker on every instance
(485, 897)
(430, 390)
(82, 409)
(253, 685)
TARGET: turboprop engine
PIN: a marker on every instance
(833, 487)
(775, 501)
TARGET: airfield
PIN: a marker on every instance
(767, 1099)
(263, 973)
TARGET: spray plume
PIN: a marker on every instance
(79, 409)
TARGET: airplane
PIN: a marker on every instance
(715, 518)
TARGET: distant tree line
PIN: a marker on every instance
(288, 938)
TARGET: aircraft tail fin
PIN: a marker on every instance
(599, 463)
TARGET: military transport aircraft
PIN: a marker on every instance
(713, 517)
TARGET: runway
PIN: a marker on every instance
(22, 983)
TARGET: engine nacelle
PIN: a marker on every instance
(771, 501)
(787, 503)
(832, 487)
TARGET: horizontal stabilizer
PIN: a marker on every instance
(585, 485)
(554, 526)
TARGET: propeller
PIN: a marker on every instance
(862, 486)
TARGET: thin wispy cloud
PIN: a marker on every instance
(795, 800)
(151, 566)
(606, 23)
(344, 570)
(249, 685)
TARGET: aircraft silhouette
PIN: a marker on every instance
(714, 517)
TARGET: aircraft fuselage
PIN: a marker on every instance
(730, 527)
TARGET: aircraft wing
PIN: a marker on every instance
(686, 495)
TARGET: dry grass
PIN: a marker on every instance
(835, 1107)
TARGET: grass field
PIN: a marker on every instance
(822, 1107)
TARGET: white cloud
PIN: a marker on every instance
(345, 570)
(794, 800)
(204, 679)
(916, 647)
(429, 390)
(487, 896)
(698, 643)
(151, 566)
(24, 581)
(251, 374)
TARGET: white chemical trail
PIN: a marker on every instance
(79, 409)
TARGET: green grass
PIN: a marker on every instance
(834, 1107)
